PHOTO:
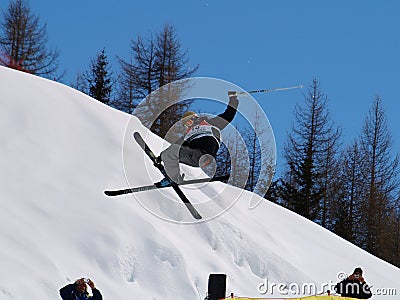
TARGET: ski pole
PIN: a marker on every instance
(272, 90)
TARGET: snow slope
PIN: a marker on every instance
(60, 149)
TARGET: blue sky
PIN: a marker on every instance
(351, 47)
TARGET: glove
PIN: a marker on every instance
(232, 94)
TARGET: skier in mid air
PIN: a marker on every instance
(200, 142)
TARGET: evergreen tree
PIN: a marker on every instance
(23, 42)
(127, 95)
(99, 79)
(389, 239)
(245, 157)
(396, 233)
(261, 166)
(312, 139)
(350, 195)
(238, 163)
(80, 83)
(330, 183)
(156, 61)
(137, 79)
(379, 174)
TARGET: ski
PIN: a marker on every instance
(153, 186)
(138, 138)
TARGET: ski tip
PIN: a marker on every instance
(137, 136)
(196, 215)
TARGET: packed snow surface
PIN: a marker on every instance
(60, 149)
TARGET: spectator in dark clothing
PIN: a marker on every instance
(78, 291)
(354, 286)
(200, 143)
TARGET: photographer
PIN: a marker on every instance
(78, 291)
(354, 286)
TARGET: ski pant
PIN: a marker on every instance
(176, 154)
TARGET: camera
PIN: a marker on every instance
(86, 280)
(356, 276)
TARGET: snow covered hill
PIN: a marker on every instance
(60, 150)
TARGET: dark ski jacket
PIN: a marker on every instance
(353, 288)
(69, 292)
(210, 144)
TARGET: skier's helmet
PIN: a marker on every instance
(189, 115)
